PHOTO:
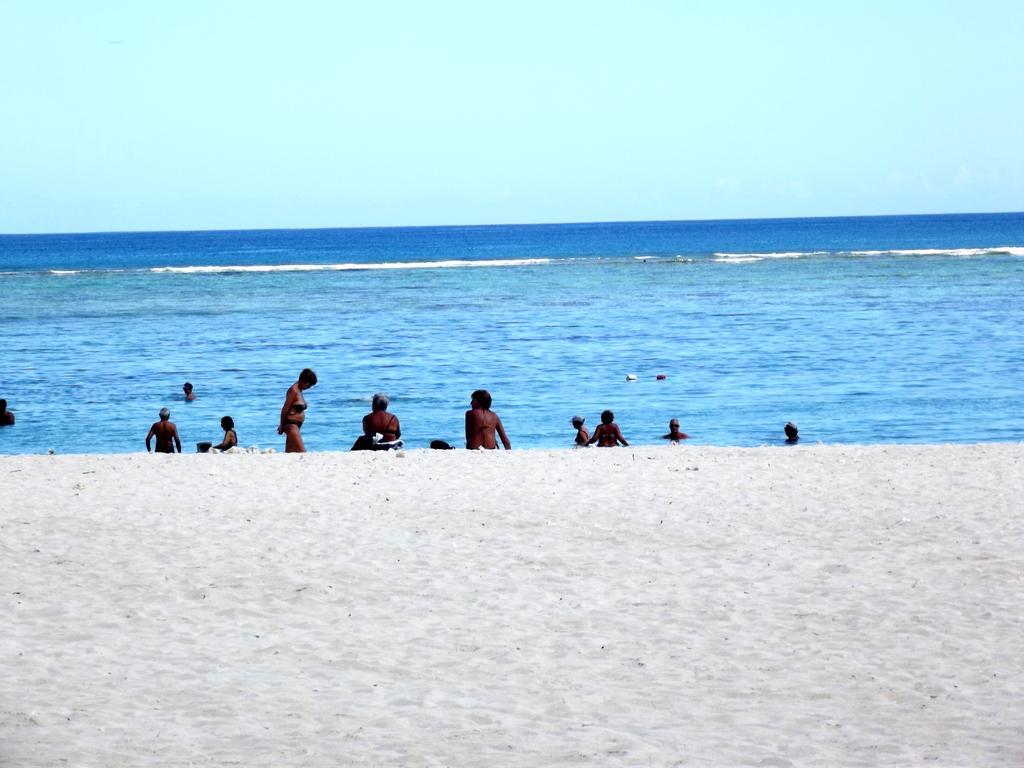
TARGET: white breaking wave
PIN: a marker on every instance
(452, 264)
(742, 258)
(747, 258)
(958, 252)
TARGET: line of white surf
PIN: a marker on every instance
(352, 266)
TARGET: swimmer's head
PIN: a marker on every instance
(607, 417)
(165, 414)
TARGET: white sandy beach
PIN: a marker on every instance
(808, 606)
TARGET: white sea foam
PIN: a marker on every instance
(956, 252)
(65, 271)
(451, 264)
(747, 257)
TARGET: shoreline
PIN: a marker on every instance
(690, 445)
(845, 605)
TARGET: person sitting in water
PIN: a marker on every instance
(482, 424)
(792, 434)
(379, 422)
(673, 432)
(6, 417)
(230, 436)
(187, 389)
(293, 412)
(582, 436)
(607, 434)
(166, 434)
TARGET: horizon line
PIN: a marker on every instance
(500, 224)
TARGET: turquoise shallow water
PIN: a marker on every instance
(899, 329)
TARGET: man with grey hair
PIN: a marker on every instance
(166, 434)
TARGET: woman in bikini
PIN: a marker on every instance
(230, 436)
(607, 434)
(379, 422)
(482, 424)
(293, 412)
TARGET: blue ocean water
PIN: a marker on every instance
(862, 330)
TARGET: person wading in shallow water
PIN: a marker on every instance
(166, 434)
(6, 417)
(482, 423)
(293, 412)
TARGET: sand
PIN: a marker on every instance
(806, 606)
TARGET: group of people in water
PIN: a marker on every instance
(383, 431)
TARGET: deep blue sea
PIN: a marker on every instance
(861, 330)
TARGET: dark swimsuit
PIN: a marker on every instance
(296, 408)
(605, 437)
(234, 440)
(395, 434)
(365, 441)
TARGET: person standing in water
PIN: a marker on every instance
(166, 434)
(293, 412)
(6, 417)
(482, 424)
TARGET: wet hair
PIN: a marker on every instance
(165, 414)
(482, 397)
(227, 423)
(3, 406)
(380, 402)
(674, 423)
(607, 417)
(187, 386)
(308, 377)
(790, 430)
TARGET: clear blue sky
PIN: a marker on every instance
(124, 115)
